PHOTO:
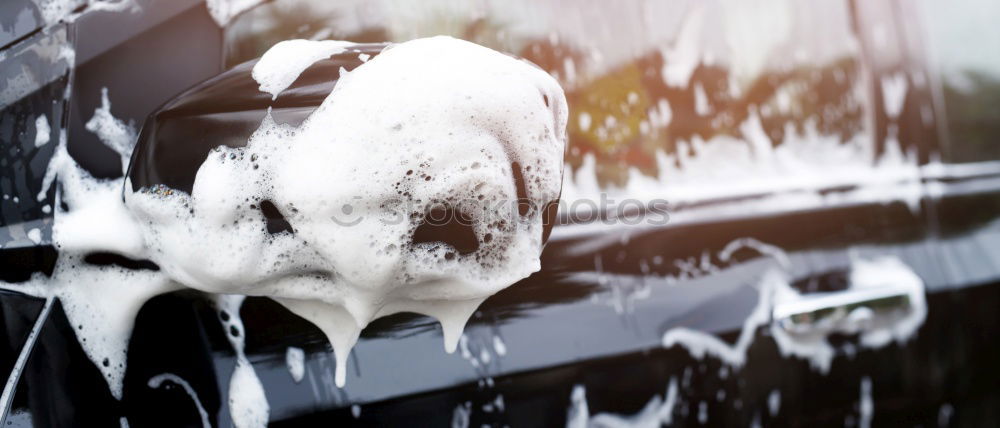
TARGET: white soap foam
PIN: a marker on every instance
(223, 11)
(96, 219)
(584, 121)
(877, 274)
(659, 411)
(285, 61)
(156, 381)
(681, 59)
(884, 272)
(248, 405)
(700, 344)
(295, 360)
(113, 132)
(53, 11)
(97, 304)
(101, 310)
(42, 131)
(578, 413)
(35, 235)
(894, 93)
(112, 6)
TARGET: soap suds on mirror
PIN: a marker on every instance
(424, 125)
(433, 136)
(285, 61)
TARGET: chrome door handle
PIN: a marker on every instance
(849, 310)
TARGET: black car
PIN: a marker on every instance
(775, 213)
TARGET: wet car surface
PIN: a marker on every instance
(585, 336)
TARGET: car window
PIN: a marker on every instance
(680, 99)
(970, 76)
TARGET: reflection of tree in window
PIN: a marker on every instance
(614, 114)
(963, 36)
(973, 111)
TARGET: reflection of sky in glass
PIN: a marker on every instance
(747, 35)
(964, 36)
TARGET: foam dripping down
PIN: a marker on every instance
(247, 401)
(419, 128)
